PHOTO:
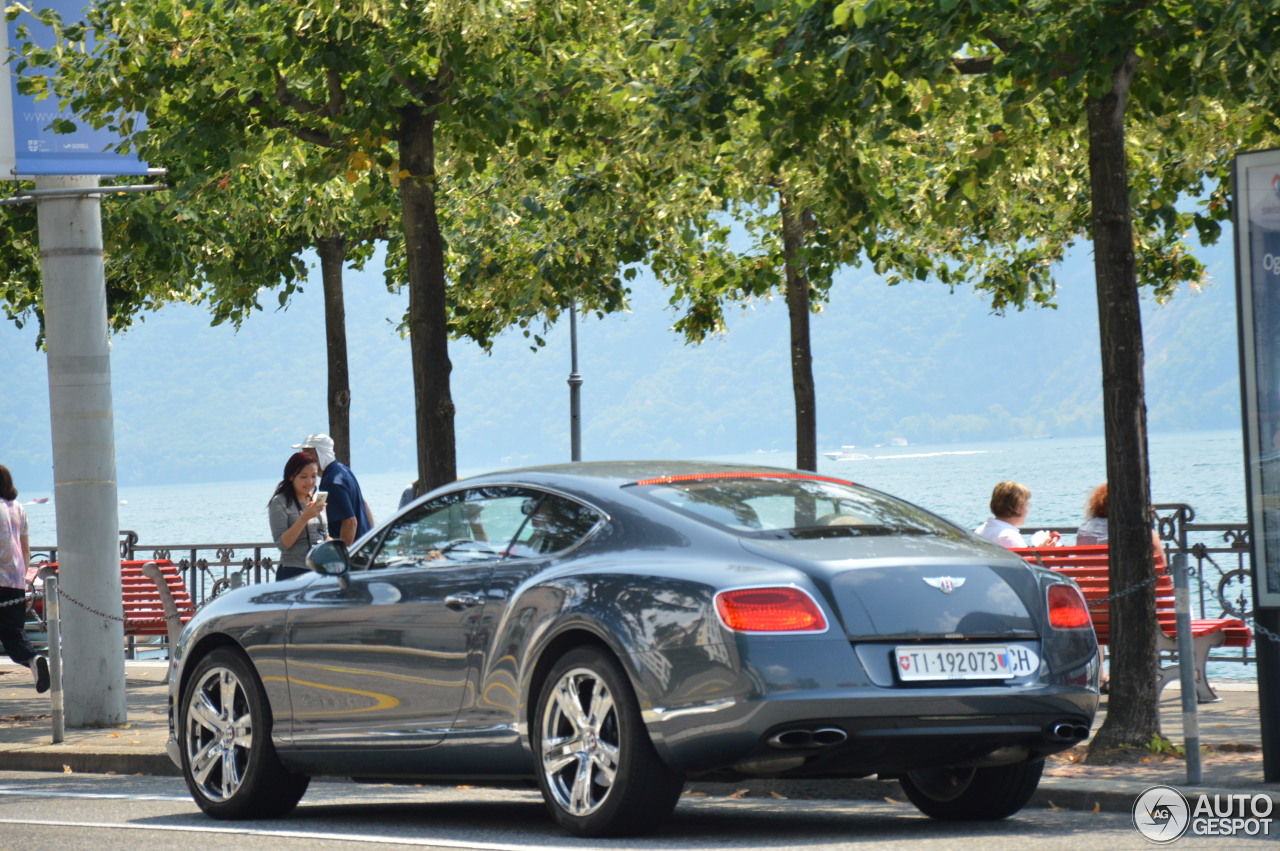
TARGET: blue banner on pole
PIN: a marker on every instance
(37, 149)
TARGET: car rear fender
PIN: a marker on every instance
(623, 613)
(572, 633)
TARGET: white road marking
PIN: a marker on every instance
(45, 793)
(296, 834)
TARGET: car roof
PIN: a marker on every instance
(614, 474)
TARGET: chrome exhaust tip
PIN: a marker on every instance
(804, 738)
(1067, 731)
(828, 736)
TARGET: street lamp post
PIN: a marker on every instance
(575, 385)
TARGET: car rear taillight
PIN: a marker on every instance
(780, 609)
(1067, 609)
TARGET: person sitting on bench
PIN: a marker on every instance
(1010, 504)
(1094, 528)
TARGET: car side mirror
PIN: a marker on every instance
(330, 558)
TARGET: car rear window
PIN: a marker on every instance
(790, 506)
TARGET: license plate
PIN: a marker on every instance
(919, 662)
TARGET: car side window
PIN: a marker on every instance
(555, 523)
(459, 527)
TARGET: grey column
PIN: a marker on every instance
(575, 389)
(84, 454)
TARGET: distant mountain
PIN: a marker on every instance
(195, 403)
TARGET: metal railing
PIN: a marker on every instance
(207, 569)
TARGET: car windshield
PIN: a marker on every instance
(790, 506)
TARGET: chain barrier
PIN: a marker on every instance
(1258, 629)
(1240, 607)
(1252, 622)
(1132, 589)
(1201, 553)
(63, 595)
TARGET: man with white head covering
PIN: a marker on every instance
(347, 513)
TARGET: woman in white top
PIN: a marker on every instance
(296, 516)
(1010, 503)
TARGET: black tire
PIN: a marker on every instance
(597, 768)
(224, 734)
(973, 794)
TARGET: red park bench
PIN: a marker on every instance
(143, 602)
(1089, 567)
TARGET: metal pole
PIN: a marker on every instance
(36, 195)
(1268, 680)
(1187, 670)
(575, 385)
(52, 619)
(84, 460)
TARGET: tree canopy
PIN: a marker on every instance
(1133, 111)
(422, 107)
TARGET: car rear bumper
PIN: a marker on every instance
(855, 736)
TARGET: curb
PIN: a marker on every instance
(89, 762)
(1108, 796)
(1118, 796)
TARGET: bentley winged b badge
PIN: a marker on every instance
(945, 584)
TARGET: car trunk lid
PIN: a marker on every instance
(917, 587)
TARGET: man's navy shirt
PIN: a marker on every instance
(345, 499)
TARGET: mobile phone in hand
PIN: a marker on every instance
(322, 497)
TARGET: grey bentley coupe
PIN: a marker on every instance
(608, 631)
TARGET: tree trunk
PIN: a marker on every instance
(1132, 716)
(428, 314)
(794, 233)
(333, 258)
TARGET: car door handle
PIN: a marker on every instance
(458, 602)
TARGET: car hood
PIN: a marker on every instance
(917, 587)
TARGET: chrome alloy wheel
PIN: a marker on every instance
(218, 734)
(580, 742)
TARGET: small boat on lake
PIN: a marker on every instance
(846, 453)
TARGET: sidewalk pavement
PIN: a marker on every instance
(1229, 737)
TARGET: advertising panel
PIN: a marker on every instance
(1256, 190)
(7, 162)
(34, 148)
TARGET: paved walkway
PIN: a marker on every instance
(1232, 760)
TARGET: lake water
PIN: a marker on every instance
(1203, 469)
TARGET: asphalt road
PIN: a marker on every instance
(104, 812)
